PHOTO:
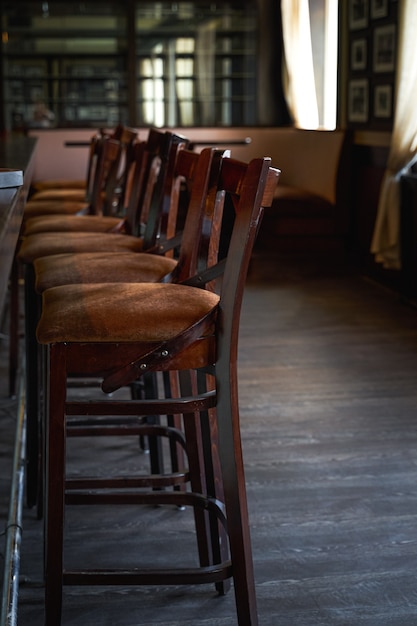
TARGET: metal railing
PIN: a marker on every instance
(13, 530)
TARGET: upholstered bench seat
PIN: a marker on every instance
(293, 206)
(289, 200)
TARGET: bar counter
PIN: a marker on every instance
(15, 153)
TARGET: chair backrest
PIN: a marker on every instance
(198, 175)
(160, 205)
(151, 182)
(93, 156)
(246, 188)
(128, 138)
(250, 188)
(108, 155)
(108, 175)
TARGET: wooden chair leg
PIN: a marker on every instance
(55, 482)
(230, 452)
(214, 482)
(195, 455)
(147, 387)
(156, 457)
(32, 388)
(171, 389)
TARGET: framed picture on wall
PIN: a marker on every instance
(383, 101)
(379, 8)
(358, 105)
(358, 54)
(358, 14)
(384, 48)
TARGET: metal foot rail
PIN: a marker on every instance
(14, 524)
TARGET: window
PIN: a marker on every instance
(196, 63)
(141, 63)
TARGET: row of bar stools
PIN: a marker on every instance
(189, 324)
(150, 193)
(97, 193)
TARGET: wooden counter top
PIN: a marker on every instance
(15, 153)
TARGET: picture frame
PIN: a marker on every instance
(384, 48)
(358, 100)
(379, 8)
(359, 54)
(383, 101)
(358, 14)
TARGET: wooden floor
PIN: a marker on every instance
(328, 394)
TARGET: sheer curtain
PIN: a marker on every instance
(299, 81)
(386, 238)
(310, 40)
(204, 71)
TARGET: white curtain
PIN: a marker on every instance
(386, 238)
(299, 68)
(204, 70)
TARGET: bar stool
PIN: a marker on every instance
(52, 186)
(118, 331)
(147, 166)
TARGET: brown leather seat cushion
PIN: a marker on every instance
(120, 312)
(75, 223)
(100, 267)
(37, 207)
(44, 244)
(59, 183)
(78, 195)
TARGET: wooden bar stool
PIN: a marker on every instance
(120, 330)
(147, 165)
(66, 202)
(55, 194)
(64, 269)
(56, 185)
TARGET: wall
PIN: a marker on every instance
(362, 23)
(55, 160)
(307, 159)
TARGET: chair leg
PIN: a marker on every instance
(171, 389)
(32, 388)
(230, 452)
(155, 444)
(233, 482)
(196, 464)
(147, 387)
(214, 482)
(42, 419)
(55, 481)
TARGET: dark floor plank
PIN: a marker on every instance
(328, 393)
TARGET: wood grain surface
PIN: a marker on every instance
(328, 395)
